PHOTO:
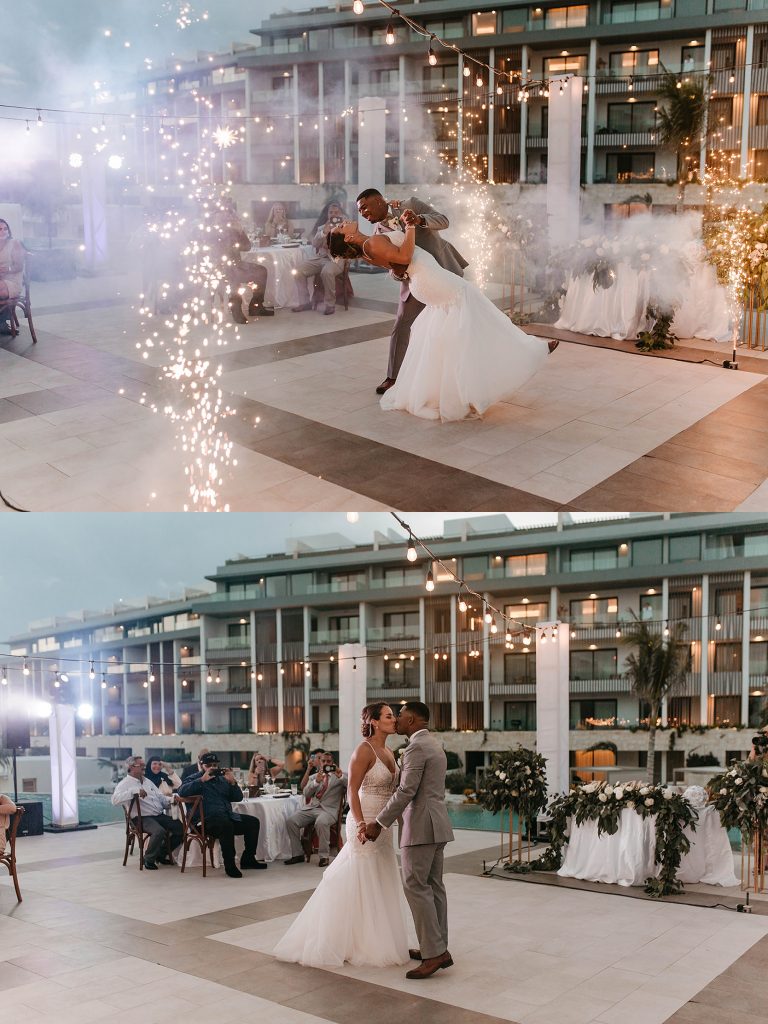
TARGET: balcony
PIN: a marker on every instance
(605, 139)
(347, 585)
(218, 696)
(334, 637)
(721, 84)
(393, 633)
(230, 648)
(725, 138)
(723, 684)
(391, 691)
(612, 684)
(725, 627)
(319, 695)
(412, 578)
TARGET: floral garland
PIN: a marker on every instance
(740, 795)
(517, 782)
(603, 803)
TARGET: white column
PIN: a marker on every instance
(321, 121)
(707, 59)
(176, 685)
(307, 678)
(591, 103)
(203, 674)
(554, 599)
(162, 687)
(747, 101)
(460, 114)
(704, 650)
(150, 716)
(347, 119)
(278, 668)
(491, 112)
(61, 731)
(454, 668)
(563, 162)
(248, 128)
(362, 625)
(552, 706)
(296, 168)
(125, 691)
(486, 671)
(352, 698)
(401, 81)
(664, 618)
(371, 142)
(254, 681)
(745, 640)
(524, 121)
(422, 651)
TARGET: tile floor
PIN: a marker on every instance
(94, 941)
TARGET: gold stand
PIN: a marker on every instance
(516, 838)
(755, 317)
(517, 284)
(753, 863)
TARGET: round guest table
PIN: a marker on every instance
(280, 262)
(274, 843)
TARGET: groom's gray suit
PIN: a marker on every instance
(419, 801)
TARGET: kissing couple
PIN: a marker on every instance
(357, 914)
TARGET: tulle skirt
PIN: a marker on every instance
(357, 914)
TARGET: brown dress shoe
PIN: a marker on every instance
(323, 862)
(385, 385)
(414, 954)
(430, 967)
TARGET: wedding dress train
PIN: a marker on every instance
(358, 912)
(464, 354)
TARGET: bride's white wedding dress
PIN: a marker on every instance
(464, 354)
(358, 912)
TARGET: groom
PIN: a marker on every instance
(392, 216)
(419, 801)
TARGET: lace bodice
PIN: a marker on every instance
(428, 281)
(378, 781)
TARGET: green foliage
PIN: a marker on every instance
(660, 335)
(516, 782)
(458, 782)
(740, 795)
(453, 760)
(681, 118)
(659, 664)
(702, 761)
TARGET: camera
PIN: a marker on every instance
(335, 221)
(216, 772)
(760, 743)
(328, 768)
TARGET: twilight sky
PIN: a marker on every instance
(59, 49)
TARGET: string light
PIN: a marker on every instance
(91, 671)
(358, 6)
(431, 56)
(430, 584)
(389, 38)
(25, 668)
(411, 554)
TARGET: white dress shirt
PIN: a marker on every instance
(152, 804)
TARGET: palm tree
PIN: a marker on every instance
(681, 122)
(658, 665)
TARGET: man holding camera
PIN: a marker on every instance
(325, 792)
(219, 791)
(759, 745)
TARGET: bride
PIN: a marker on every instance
(464, 354)
(357, 914)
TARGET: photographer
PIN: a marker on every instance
(219, 791)
(263, 769)
(323, 264)
(314, 764)
(325, 791)
(759, 745)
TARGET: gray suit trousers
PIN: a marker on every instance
(321, 819)
(407, 312)
(422, 868)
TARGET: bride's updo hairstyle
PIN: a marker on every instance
(339, 248)
(371, 713)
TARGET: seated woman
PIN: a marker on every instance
(11, 271)
(277, 222)
(7, 808)
(163, 776)
(261, 767)
(464, 354)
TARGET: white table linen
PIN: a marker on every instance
(274, 843)
(627, 857)
(281, 286)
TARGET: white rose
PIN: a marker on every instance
(515, 793)
(602, 798)
(739, 781)
(502, 776)
(668, 794)
(609, 789)
(649, 802)
(723, 792)
(765, 773)
(618, 793)
(498, 773)
(590, 787)
(644, 791)
(527, 771)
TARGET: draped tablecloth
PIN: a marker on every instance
(627, 857)
(281, 287)
(274, 843)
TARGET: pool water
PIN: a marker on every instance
(94, 808)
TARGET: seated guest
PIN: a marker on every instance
(277, 222)
(262, 766)
(229, 242)
(322, 263)
(7, 808)
(326, 790)
(219, 791)
(153, 806)
(11, 270)
(195, 766)
(314, 763)
(163, 776)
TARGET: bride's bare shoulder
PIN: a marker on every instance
(364, 753)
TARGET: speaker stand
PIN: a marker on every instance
(15, 779)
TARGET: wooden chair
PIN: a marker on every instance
(8, 307)
(193, 819)
(134, 832)
(309, 842)
(344, 290)
(8, 857)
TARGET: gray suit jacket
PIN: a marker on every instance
(429, 238)
(333, 796)
(420, 796)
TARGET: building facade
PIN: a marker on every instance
(295, 92)
(259, 654)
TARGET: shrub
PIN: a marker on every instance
(702, 761)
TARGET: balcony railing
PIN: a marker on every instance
(392, 633)
(414, 578)
(613, 684)
(609, 138)
(724, 683)
(228, 643)
(319, 694)
(334, 636)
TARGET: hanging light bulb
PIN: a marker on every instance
(4, 677)
(494, 628)
(527, 639)
(25, 668)
(573, 633)
(209, 677)
(462, 604)
(389, 38)
(479, 81)
(488, 617)
(666, 628)
(259, 676)
(508, 638)
(467, 72)
(411, 554)
(618, 632)
(499, 90)
(430, 584)
(91, 672)
(151, 674)
(56, 680)
(39, 119)
(358, 6)
(103, 681)
(437, 656)
(718, 625)
(431, 56)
